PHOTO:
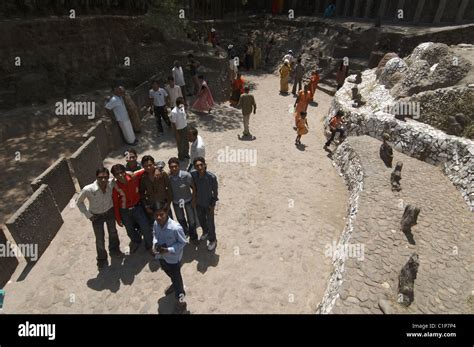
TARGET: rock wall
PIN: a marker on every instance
(454, 154)
(60, 57)
(348, 165)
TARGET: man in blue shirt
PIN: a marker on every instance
(206, 198)
(168, 245)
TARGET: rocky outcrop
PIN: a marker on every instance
(392, 72)
(430, 66)
(454, 154)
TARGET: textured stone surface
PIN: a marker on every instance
(392, 72)
(7, 264)
(454, 154)
(59, 180)
(37, 221)
(384, 61)
(443, 237)
(114, 135)
(100, 133)
(431, 66)
(85, 161)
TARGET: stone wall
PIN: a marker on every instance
(37, 221)
(348, 165)
(59, 180)
(454, 154)
(100, 133)
(85, 161)
(7, 264)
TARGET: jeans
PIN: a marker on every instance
(333, 134)
(160, 112)
(189, 226)
(137, 215)
(206, 219)
(174, 272)
(98, 226)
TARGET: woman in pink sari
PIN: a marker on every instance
(204, 101)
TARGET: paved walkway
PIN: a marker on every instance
(443, 239)
(273, 220)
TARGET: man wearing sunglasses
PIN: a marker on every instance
(100, 211)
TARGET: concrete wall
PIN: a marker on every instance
(59, 179)
(37, 221)
(85, 161)
(7, 264)
(100, 133)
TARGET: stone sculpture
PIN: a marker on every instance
(406, 281)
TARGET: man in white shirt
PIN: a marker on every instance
(158, 99)
(178, 76)
(173, 91)
(197, 146)
(101, 210)
(117, 105)
(180, 127)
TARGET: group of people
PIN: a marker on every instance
(142, 197)
(293, 70)
(163, 102)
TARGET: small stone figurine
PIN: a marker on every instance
(396, 176)
(406, 281)
(357, 98)
(386, 151)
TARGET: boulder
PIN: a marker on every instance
(384, 61)
(392, 72)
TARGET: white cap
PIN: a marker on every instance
(212, 30)
(290, 51)
(286, 61)
(230, 46)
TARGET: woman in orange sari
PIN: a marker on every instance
(237, 89)
(302, 101)
(313, 84)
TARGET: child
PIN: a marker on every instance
(314, 83)
(301, 127)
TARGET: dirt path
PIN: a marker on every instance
(273, 221)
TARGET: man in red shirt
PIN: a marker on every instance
(127, 208)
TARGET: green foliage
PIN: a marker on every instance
(164, 16)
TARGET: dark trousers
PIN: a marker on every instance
(174, 272)
(333, 134)
(137, 215)
(299, 82)
(183, 91)
(161, 112)
(189, 225)
(206, 219)
(183, 143)
(98, 226)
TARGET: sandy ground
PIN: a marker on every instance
(273, 220)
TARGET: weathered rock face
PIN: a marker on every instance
(416, 139)
(384, 61)
(438, 106)
(431, 66)
(392, 72)
(59, 57)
